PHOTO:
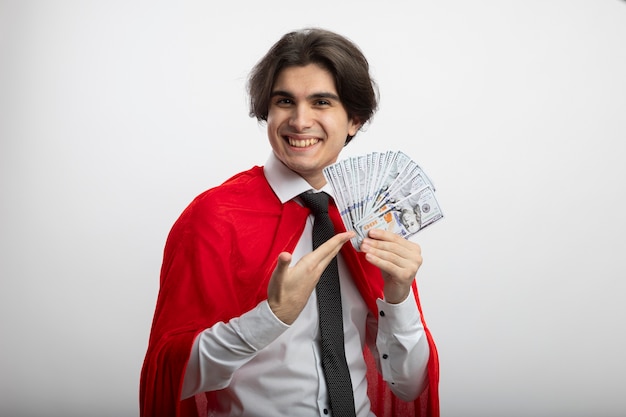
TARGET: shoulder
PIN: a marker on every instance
(240, 198)
(242, 190)
(242, 209)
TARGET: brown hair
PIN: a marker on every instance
(335, 53)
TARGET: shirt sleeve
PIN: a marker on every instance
(402, 348)
(219, 351)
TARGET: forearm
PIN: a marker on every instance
(220, 350)
(402, 347)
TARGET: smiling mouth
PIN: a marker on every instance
(302, 143)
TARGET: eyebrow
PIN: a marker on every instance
(287, 94)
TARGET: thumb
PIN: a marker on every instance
(284, 260)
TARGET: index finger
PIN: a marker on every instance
(391, 242)
(381, 234)
(329, 249)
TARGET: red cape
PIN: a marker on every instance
(217, 262)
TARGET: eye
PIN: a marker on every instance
(322, 103)
(283, 101)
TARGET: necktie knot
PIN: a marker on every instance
(317, 202)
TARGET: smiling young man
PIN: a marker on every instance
(307, 124)
(236, 330)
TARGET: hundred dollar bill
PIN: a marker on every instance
(381, 190)
(334, 176)
(404, 217)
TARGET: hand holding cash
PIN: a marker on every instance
(384, 190)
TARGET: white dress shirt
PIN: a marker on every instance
(264, 367)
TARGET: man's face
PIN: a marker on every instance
(307, 124)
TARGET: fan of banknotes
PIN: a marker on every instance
(385, 190)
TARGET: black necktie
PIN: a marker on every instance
(330, 315)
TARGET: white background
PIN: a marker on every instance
(115, 114)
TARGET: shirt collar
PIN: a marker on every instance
(286, 183)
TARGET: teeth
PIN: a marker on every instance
(302, 143)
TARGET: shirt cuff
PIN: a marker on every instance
(398, 318)
(260, 326)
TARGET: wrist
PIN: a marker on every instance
(396, 294)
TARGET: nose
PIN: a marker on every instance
(301, 118)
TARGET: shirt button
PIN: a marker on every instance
(385, 356)
(326, 411)
(382, 314)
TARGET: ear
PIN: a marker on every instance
(353, 126)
